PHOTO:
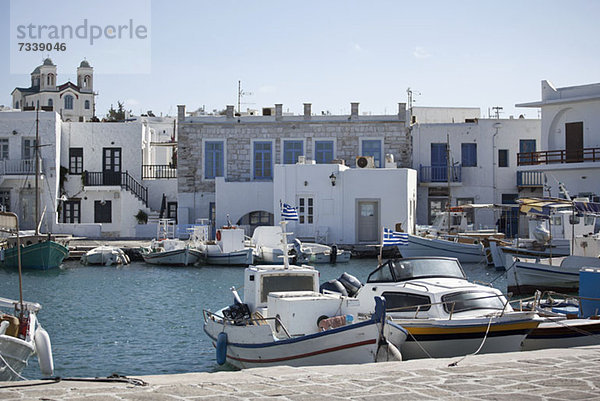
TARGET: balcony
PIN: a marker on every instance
(429, 174)
(558, 156)
(530, 179)
(18, 167)
(122, 179)
(158, 171)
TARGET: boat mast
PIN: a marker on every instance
(37, 169)
(448, 166)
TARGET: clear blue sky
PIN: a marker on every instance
(330, 53)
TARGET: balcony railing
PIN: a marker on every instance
(530, 179)
(440, 173)
(559, 156)
(122, 179)
(158, 171)
(18, 167)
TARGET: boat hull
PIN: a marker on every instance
(563, 334)
(40, 256)
(177, 257)
(526, 277)
(16, 352)
(420, 246)
(242, 257)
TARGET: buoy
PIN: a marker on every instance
(221, 348)
(218, 235)
(43, 349)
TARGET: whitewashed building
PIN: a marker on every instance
(481, 156)
(569, 150)
(74, 102)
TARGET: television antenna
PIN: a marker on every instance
(241, 93)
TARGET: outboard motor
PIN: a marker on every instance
(350, 283)
(239, 313)
(333, 286)
(333, 254)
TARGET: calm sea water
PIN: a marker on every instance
(142, 319)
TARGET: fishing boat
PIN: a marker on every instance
(105, 255)
(229, 248)
(466, 250)
(313, 253)
(171, 252)
(266, 244)
(445, 315)
(284, 320)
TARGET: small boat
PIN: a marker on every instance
(228, 249)
(105, 255)
(171, 252)
(466, 250)
(38, 252)
(22, 336)
(313, 253)
(526, 275)
(266, 243)
(444, 314)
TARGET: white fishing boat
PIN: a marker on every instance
(525, 275)
(22, 336)
(466, 250)
(284, 320)
(105, 255)
(171, 252)
(313, 253)
(444, 314)
(266, 243)
(229, 249)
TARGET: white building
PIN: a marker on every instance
(74, 102)
(569, 151)
(483, 164)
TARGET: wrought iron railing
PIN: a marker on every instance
(558, 156)
(530, 179)
(158, 171)
(122, 179)
(440, 173)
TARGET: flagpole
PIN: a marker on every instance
(380, 248)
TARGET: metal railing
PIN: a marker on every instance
(246, 322)
(558, 156)
(122, 179)
(530, 179)
(158, 171)
(18, 167)
(440, 173)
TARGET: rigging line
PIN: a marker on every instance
(11, 369)
(455, 363)
(419, 344)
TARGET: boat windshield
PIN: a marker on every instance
(408, 269)
(471, 300)
(282, 283)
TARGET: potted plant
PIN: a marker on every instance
(141, 217)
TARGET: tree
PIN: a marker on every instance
(116, 115)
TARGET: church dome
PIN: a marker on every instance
(84, 63)
(48, 61)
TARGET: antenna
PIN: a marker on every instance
(240, 94)
(497, 110)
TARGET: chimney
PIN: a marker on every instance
(278, 111)
(180, 112)
(307, 111)
(229, 111)
(402, 111)
(354, 109)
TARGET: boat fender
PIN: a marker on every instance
(221, 348)
(333, 254)
(43, 349)
(320, 319)
(388, 352)
(218, 235)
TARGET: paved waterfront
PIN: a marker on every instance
(565, 374)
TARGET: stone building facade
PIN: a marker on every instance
(347, 137)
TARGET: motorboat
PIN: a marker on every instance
(466, 250)
(105, 255)
(38, 252)
(445, 315)
(313, 253)
(266, 243)
(171, 252)
(525, 275)
(228, 249)
(22, 336)
(284, 320)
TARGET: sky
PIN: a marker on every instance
(328, 53)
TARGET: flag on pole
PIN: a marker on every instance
(288, 212)
(391, 237)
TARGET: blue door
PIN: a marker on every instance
(439, 162)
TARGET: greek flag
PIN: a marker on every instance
(391, 237)
(288, 212)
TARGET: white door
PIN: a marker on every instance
(368, 221)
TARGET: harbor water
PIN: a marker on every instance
(142, 319)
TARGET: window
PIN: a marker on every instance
(72, 211)
(3, 148)
(213, 159)
(526, 146)
(5, 200)
(28, 149)
(172, 211)
(50, 102)
(372, 147)
(323, 152)
(263, 160)
(464, 301)
(17, 104)
(291, 151)
(509, 199)
(306, 210)
(502, 157)
(75, 160)
(68, 102)
(469, 154)
(404, 302)
(102, 212)
(280, 283)
(87, 104)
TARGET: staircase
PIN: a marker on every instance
(122, 179)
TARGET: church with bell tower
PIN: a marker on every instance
(74, 102)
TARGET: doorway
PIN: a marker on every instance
(111, 166)
(368, 221)
(574, 142)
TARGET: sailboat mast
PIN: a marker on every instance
(37, 169)
(448, 167)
